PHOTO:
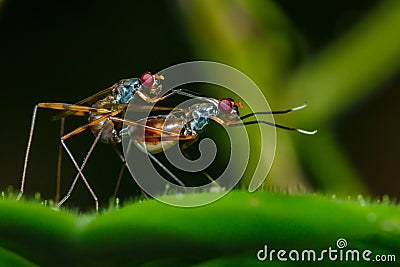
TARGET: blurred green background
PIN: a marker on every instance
(341, 56)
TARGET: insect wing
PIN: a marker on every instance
(88, 101)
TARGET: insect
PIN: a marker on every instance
(101, 108)
(186, 124)
(161, 132)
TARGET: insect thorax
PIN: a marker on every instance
(200, 115)
(125, 90)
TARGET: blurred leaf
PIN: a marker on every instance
(352, 67)
(236, 228)
(254, 37)
(340, 76)
(257, 38)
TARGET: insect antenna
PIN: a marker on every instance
(274, 112)
(274, 124)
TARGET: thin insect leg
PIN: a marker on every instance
(77, 131)
(128, 149)
(183, 92)
(121, 171)
(28, 148)
(205, 173)
(148, 128)
(72, 107)
(80, 170)
(90, 124)
(59, 162)
(274, 125)
(119, 154)
(152, 157)
(59, 106)
(165, 169)
(274, 112)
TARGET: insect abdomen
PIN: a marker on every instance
(162, 133)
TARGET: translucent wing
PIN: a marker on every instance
(88, 101)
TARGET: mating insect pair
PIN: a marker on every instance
(160, 131)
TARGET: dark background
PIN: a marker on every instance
(63, 51)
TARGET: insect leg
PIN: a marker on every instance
(145, 195)
(28, 148)
(166, 136)
(152, 157)
(59, 162)
(72, 107)
(148, 128)
(80, 169)
(92, 123)
(217, 186)
(59, 106)
(183, 92)
(121, 171)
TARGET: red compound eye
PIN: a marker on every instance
(225, 105)
(147, 79)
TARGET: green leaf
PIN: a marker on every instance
(232, 229)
